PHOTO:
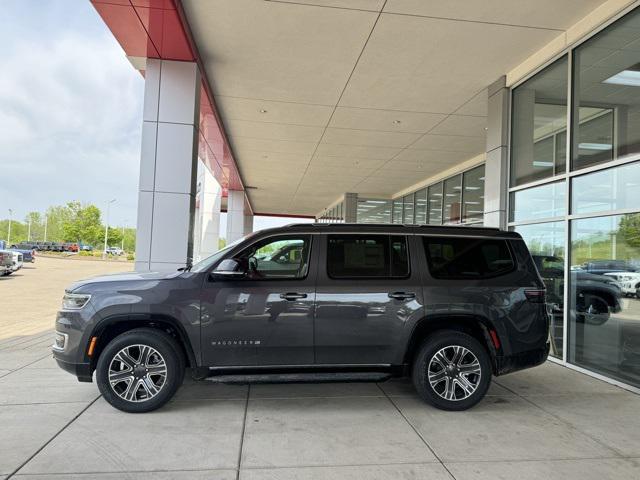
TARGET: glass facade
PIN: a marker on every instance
(434, 200)
(452, 199)
(604, 321)
(539, 126)
(578, 208)
(372, 210)
(455, 200)
(408, 207)
(473, 195)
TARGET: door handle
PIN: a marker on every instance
(292, 296)
(402, 295)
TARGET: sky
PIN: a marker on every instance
(70, 112)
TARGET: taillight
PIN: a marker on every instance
(535, 295)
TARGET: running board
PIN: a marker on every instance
(320, 377)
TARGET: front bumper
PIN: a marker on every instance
(520, 361)
(80, 370)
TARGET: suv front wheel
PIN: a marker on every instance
(452, 370)
(140, 370)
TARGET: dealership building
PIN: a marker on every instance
(521, 115)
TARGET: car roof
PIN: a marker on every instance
(357, 228)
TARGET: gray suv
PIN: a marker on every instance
(448, 306)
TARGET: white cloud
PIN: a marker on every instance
(70, 120)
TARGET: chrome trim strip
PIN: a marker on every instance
(315, 365)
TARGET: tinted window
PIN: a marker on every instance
(367, 256)
(279, 257)
(467, 258)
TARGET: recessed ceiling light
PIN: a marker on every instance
(262, 110)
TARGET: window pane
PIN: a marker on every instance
(367, 256)
(473, 196)
(277, 258)
(539, 125)
(421, 207)
(604, 325)
(611, 189)
(464, 258)
(397, 211)
(545, 201)
(374, 211)
(408, 209)
(607, 104)
(546, 244)
(452, 191)
(435, 204)
(399, 257)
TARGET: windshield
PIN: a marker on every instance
(206, 263)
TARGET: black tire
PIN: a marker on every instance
(168, 350)
(445, 341)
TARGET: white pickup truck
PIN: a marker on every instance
(9, 263)
(629, 282)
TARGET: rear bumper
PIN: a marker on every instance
(80, 370)
(520, 361)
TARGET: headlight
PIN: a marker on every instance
(74, 301)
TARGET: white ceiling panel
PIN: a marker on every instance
(476, 105)
(356, 162)
(432, 65)
(278, 51)
(233, 108)
(439, 157)
(273, 131)
(556, 14)
(452, 143)
(369, 137)
(357, 151)
(385, 120)
(371, 5)
(461, 125)
(267, 145)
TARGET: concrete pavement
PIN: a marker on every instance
(548, 422)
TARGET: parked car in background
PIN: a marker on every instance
(597, 296)
(114, 251)
(6, 262)
(16, 261)
(601, 267)
(86, 248)
(28, 255)
(24, 246)
(629, 282)
(70, 247)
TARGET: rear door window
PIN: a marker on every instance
(367, 256)
(459, 258)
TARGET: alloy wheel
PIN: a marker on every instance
(137, 373)
(454, 373)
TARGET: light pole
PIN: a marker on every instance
(122, 246)
(29, 231)
(106, 229)
(46, 220)
(9, 232)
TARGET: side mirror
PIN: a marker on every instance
(229, 269)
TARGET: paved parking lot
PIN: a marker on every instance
(549, 422)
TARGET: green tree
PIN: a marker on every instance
(629, 229)
(82, 223)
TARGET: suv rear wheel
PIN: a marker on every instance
(452, 370)
(140, 370)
